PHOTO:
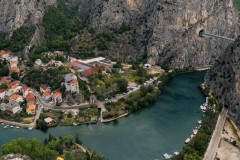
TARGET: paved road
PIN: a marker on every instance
(216, 137)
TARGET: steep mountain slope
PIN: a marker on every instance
(17, 13)
(164, 30)
(223, 79)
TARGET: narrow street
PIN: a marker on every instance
(216, 137)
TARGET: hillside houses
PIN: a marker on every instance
(4, 54)
(71, 83)
(57, 96)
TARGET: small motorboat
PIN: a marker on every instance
(188, 140)
(11, 126)
(5, 127)
(30, 128)
(17, 127)
(167, 156)
(176, 153)
(200, 121)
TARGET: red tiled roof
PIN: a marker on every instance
(25, 88)
(91, 70)
(2, 52)
(74, 81)
(15, 69)
(12, 84)
(15, 96)
(4, 80)
(56, 93)
(2, 90)
(31, 107)
(30, 96)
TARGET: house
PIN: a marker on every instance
(15, 69)
(57, 96)
(16, 98)
(4, 54)
(71, 83)
(30, 98)
(5, 80)
(26, 90)
(31, 109)
(48, 120)
(13, 108)
(2, 93)
(12, 58)
(47, 96)
(14, 86)
(44, 88)
(90, 71)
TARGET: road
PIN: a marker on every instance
(216, 137)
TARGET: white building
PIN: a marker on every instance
(2, 93)
(13, 108)
(71, 83)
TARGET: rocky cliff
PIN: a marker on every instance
(166, 30)
(223, 79)
(17, 13)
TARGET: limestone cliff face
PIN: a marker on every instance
(17, 13)
(166, 29)
(224, 79)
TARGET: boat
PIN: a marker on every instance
(2, 123)
(11, 126)
(17, 127)
(187, 140)
(167, 156)
(5, 127)
(30, 128)
(191, 136)
(200, 121)
(195, 131)
(176, 153)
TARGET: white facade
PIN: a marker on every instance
(2, 94)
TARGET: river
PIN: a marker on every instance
(145, 135)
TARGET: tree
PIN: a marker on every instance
(142, 72)
(68, 141)
(122, 85)
(32, 148)
(3, 86)
(42, 125)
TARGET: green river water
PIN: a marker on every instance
(146, 135)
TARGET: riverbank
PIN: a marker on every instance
(198, 145)
(113, 119)
(144, 133)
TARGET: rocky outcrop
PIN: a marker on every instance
(223, 79)
(166, 30)
(17, 13)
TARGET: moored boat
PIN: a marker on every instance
(167, 156)
(176, 153)
(187, 140)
